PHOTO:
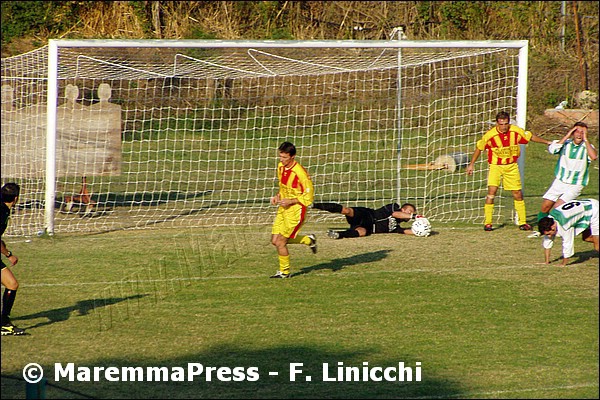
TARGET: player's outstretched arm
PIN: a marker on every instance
(404, 215)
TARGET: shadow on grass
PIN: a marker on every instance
(81, 308)
(584, 256)
(340, 263)
(242, 373)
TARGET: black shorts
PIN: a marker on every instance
(374, 220)
(363, 217)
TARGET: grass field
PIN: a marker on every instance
(474, 308)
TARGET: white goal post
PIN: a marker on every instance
(118, 134)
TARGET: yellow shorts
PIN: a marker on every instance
(288, 221)
(508, 174)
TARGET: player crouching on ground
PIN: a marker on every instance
(567, 221)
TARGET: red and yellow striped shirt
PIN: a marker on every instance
(295, 183)
(503, 148)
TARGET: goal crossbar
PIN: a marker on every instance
(371, 119)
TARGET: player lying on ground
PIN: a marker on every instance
(567, 221)
(366, 221)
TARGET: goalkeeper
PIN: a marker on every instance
(367, 221)
(295, 194)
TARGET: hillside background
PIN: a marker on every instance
(563, 35)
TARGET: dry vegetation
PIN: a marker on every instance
(560, 65)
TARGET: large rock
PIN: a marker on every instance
(570, 116)
(587, 100)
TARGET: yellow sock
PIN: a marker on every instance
(300, 239)
(284, 264)
(489, 213)
(521, 213)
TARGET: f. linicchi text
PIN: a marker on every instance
(366, 373)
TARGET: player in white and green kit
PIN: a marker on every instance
(575, 153)
(567, 221)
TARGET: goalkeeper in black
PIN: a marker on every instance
(366, 221)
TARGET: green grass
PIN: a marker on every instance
(479, 313)
(474, 308)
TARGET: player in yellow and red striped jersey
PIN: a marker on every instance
(296, 193)
(503, 150)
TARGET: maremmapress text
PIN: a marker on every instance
(335, 372)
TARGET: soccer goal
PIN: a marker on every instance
(119, 134)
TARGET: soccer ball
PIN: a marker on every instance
(421, 227)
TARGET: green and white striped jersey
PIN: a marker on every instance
(572, 218)
(573, 162)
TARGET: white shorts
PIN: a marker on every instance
(595, 217)
(548, 242)
(565, 191)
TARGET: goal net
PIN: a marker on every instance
(105, 135)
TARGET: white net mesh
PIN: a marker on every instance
(188, 137)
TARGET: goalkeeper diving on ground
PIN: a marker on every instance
(366, 221)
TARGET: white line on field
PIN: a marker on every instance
(500, 392)
(336, 275)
